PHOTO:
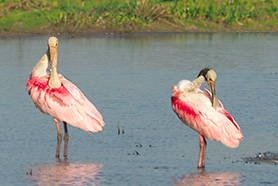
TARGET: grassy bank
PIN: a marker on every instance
(129, 16)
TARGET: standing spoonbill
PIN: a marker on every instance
(55, 95)
(204, 113)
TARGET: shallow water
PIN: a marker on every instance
(129, 80)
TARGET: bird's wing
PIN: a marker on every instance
(79, 96)
(66, 103)
(220, 109)
(195, 109)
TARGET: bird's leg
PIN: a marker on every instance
(203, 143)
(59, 137)
(66, 139)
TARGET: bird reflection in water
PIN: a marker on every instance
(65, 173)
(203, 178)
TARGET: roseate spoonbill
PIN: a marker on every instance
(204, 113)
(55, 95)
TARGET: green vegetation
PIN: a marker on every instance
(98, 16)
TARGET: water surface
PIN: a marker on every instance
(129, 80)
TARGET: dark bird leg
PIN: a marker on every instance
(203, 143)
(59, 137)
(66, 139)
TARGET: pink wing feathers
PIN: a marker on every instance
(195, 110)
(66, 103)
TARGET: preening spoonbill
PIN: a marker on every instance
(204, 113)
(55, 95)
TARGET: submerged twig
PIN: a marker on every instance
(119, 129)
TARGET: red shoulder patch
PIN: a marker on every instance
(182, 108)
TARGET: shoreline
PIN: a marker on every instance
(134, 18)
(7, 35)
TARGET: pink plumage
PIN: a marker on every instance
(195, 110)
(194, 107)
(65, 103)
(55, 95)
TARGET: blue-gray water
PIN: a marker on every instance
(129, 80)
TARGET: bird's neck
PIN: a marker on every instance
(197, 83)
(54, 80)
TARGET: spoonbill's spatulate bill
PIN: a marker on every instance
(204, 113)
(55, 95)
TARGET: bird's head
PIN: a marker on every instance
(54, 80)
(53, 50)
(210, 76)
(52, 42)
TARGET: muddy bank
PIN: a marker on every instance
(100, 31)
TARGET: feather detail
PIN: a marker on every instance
(194, 108)
(65, 103)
